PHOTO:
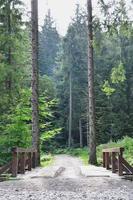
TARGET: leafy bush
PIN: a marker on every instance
(17, 131)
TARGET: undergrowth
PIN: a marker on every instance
(126, 142)
(46, 160)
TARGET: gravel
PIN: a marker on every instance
(69, 185)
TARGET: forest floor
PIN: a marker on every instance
(67, 184)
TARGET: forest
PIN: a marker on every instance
(64, 112)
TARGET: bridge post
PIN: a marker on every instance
(29, 161)
(34, 159)
(104, 159)
(22, 162)
(14, 165)
(120, 168)
(113, 162)
(107, 160)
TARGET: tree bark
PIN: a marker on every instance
(70, 112)
(87, 126)
(91, 102)
(9, 60)
(35, 71)
(80, 133)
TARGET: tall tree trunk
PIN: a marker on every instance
(35, 71)
(80, 133)
(9, 78)
(87, 126)
(91, 102)
(70, 112)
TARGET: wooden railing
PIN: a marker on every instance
(6, 168)
(113, 159)
(22, 160)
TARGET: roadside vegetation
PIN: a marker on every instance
(47, 160)
(126, 142)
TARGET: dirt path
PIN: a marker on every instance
(69, 185)
(71, 165)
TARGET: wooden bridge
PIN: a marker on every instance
(26, 159)
(22, 159)
(113, 159)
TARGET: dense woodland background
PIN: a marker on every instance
(63, 82)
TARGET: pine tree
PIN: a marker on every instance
(35, 77)
(49, 41)
(91, 100)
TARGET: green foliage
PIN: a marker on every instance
(126, 142)
(46, 160)
(46, 86)
(107, 89)
(48, 135)
(73, 60)
(118, 74)
(15, 111)
(49, 41)
(112, 44)
(18, 128)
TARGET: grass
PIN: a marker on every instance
(126, 142)
(46, 160)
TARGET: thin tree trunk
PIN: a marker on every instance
(87, 126)
(70, 112)
(9, 78)
(91, 102)
(35, 96)
(81, 133)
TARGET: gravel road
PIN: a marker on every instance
(69, 185)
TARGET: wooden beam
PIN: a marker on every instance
(29, 161)
(115, 150)
(5, 168)
(107, 160)
(22, 150)
(104, 159)
(113, 162)
(14, 167)
(127, 166)
(22, 162)
(120, 168)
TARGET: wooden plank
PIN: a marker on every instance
(126, 171)
(113, 162)
(14, 167)
(104, 159)
(5, 168)
(20, 150)
(107, 160)
(22, 162)
(34, 160)
(115, 150)
(127, 166)
(29, 161)
(120, 168)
